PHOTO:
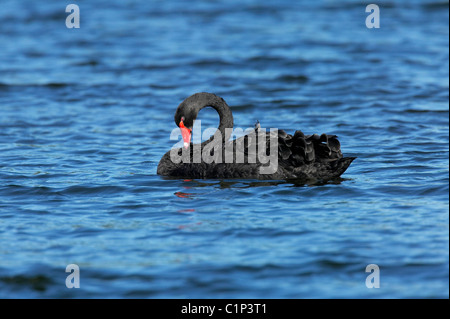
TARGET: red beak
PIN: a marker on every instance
(186, 134)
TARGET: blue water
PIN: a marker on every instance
(86, 114)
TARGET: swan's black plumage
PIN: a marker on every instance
(299, 156)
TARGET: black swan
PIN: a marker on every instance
(271, 155)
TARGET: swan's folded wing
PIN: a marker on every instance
(306, 149)
(295, 150)
(327, 147)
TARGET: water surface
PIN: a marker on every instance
(86, 114)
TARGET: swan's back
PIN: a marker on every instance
(297, 157)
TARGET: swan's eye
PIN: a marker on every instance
(183, 126)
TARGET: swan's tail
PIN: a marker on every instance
(312, 155)
(341, 165)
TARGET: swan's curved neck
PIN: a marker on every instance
(225, 115)
(189, 108)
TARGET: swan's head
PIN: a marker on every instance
(184, 118)
(188, 110)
